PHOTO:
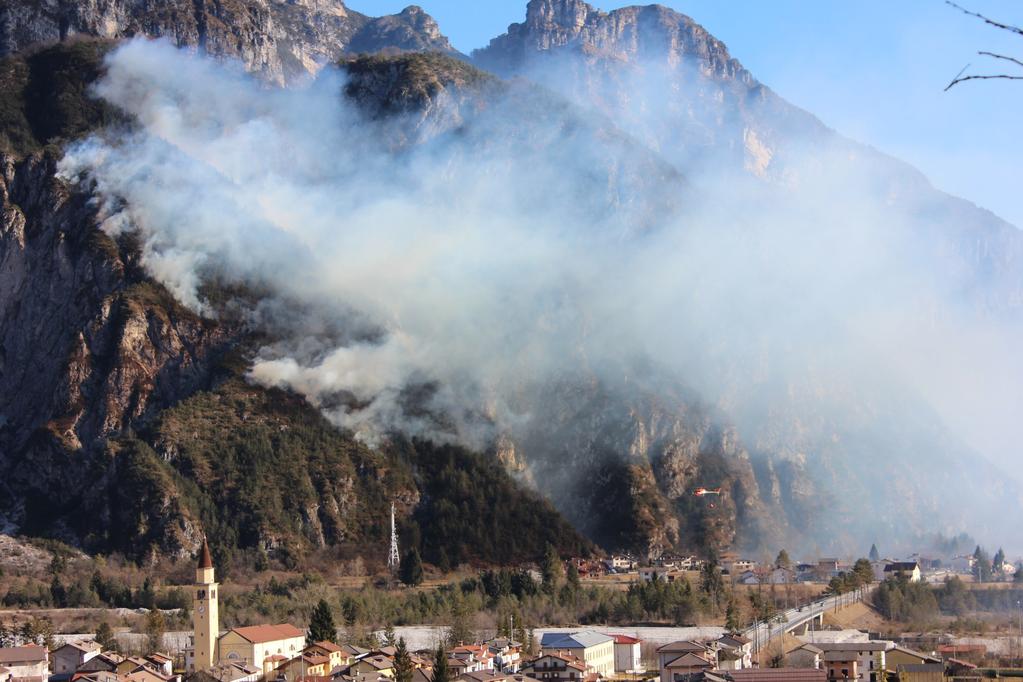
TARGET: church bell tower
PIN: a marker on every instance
(205, 617)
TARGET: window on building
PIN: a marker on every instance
(201, 594)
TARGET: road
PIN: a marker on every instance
(762, 634)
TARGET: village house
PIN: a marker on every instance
(869, 658)
(374, 664)
(663, 573)
(596, 651)
(910, 569)
(669, 654)
(336, 655)
(841, 665)
(506, 653)
(306, 664)
(106, 661)
(29, 663)
(805, 656)
(232, 671)
(69, 657)
(920, 672)
(627, 654)
(557, 667)
(476, 657)
(900, 655)
(734, 652)
(680, 669)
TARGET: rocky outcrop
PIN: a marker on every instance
(282, 41)
(88, 346)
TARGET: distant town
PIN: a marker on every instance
(823, 620)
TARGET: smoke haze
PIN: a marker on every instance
(470, 257)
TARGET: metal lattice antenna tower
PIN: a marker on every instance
(393, 558)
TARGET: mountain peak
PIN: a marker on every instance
(651, 33)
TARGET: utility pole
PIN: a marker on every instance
(393, 558)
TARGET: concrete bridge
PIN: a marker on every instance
(802, 619)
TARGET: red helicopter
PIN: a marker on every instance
(700, 492)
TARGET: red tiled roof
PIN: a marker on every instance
(258, 634)
(23, 654)
(626, 639)
(328, 646)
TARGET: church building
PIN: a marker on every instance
(263, 647)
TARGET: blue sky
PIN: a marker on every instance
(872, 69)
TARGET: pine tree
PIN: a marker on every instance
(874, 554)
(105, 637)
(551, 569)
(441, 673)
(573, 577)
(998, 563)
(783, 560)
(732, 617)
(411, 569)
(155, 627)
(390, 639)
(321, 625)
(403, 667)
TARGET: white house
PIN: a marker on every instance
(597, 651)
(627, 654)
(910, 569)
(869, 656)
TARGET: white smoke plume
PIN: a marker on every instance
(482, 260)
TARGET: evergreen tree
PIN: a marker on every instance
(711, 582)
(460, 631)
(147, 596)
(783, 560)
(998, 562)
(732, 617)
(874, 554)
(155, 627)
(390, 639)
(441, 672)
(105, 637)
(551, 569)
(403, 667)
(981, 565)
(58, 593)
(411, 569)
(573, 577)
(863, 572)
(321, 625)
(1018, 575)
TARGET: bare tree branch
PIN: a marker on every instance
(971, 78)
(1002, 56)
(1006, 27)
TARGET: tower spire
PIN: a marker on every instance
(393, 558)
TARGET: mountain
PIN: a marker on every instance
(794, 435)
(127, 423)
(285, 42)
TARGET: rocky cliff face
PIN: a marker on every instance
(283, 41)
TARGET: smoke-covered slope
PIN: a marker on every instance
(837, 458)
(125, 424)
